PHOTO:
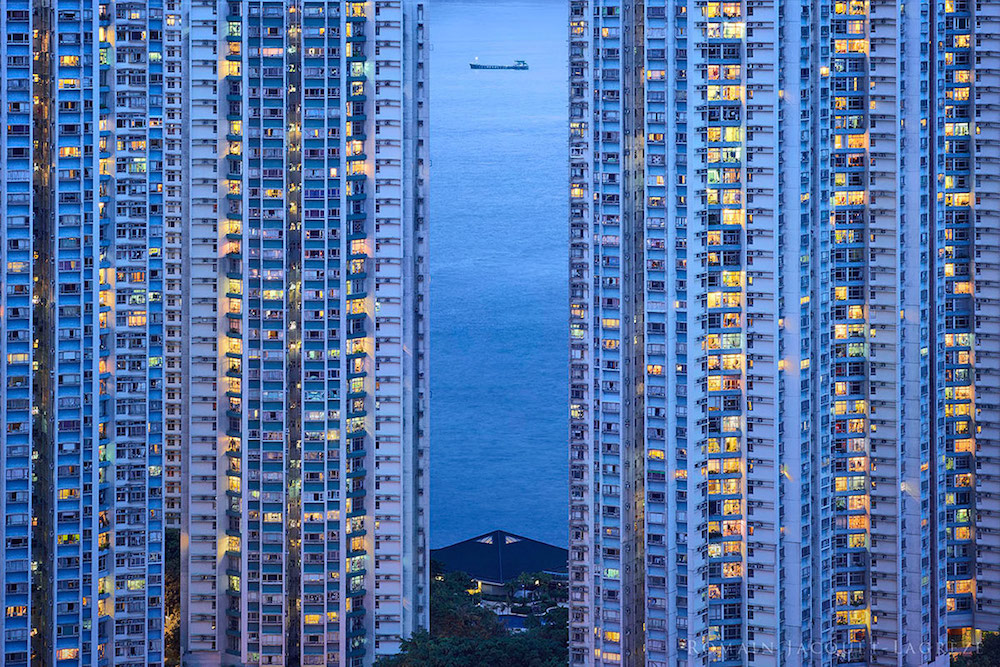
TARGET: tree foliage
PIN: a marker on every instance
(463, 634)
(455, 613)
(988, 654)
(541, 646)
(172, 598)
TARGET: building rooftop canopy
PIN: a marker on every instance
(498, 557)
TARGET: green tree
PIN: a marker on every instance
(988, 654)
(456, 613)
(540, 647)
(172, 598)
(466, 635)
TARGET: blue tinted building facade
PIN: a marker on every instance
(84, 339)
(783, 284)
(213, 318)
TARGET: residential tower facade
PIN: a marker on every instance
(85, 136)
(784, 273)
(213, 316)
(304, 530)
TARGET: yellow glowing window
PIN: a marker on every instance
(965, 445)
(956, 129)
(731, 423)
(732, 217)
(857, 541)
(355, 147)
(965, 585)
(732, 278)
(732, 362)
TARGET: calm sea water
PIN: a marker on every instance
(498, 270)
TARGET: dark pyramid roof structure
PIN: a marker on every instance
(498, 557)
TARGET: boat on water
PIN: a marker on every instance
(518, 64)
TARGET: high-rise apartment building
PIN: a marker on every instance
(213, 318)
(785, 331)
(86, 294)
(304, 538)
